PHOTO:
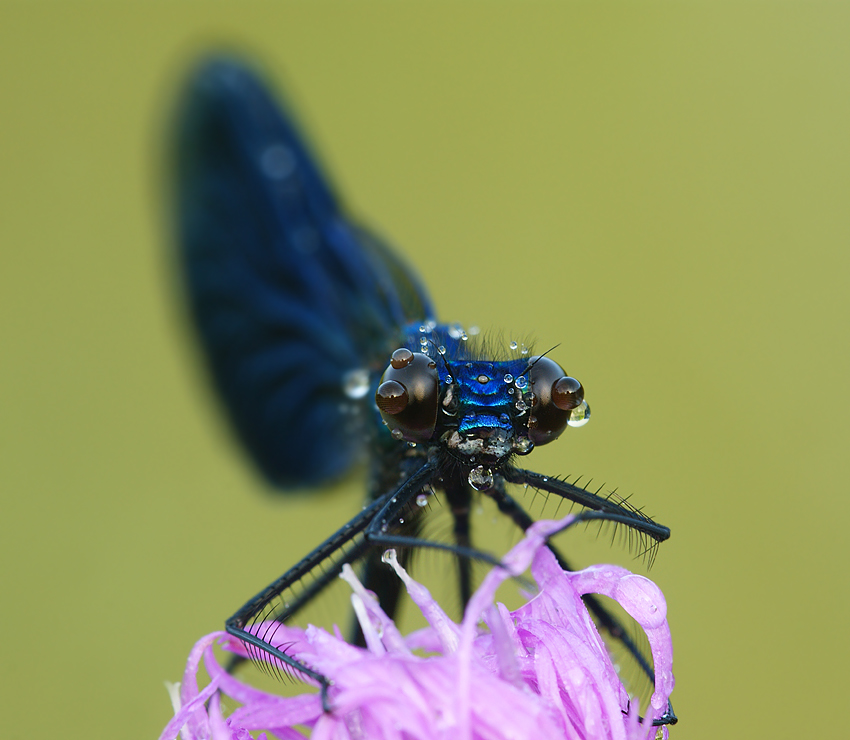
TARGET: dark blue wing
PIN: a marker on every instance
(288, 296)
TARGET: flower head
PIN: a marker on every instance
(539, 671)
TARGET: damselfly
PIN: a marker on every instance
(324, 346)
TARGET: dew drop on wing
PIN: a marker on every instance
(278, 162)
(355, 383)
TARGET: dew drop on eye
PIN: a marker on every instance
(580, 415)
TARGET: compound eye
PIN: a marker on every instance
(408, 395)
(555, 395)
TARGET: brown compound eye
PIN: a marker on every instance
(408, 395)
(555, 396)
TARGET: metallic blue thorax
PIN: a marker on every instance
(488, 393)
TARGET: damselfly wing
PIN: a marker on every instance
(325, 349)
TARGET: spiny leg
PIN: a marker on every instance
(325, 552)
(603, 617)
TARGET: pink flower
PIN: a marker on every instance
(541, 671)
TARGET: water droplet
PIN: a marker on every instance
(449, 379)
(355, 383)
(521, 406)
(277, 162)
(508, 378)
(481, 478)
(422, 499)
(423, 341)
(411, 444)
(401, 520)
(455, 331)
(474, 331)
(523, 349)
(423, 329)
(398, 434)
(513, 345)
(521, 382)
(441, 349)
(389, 555)
(401, 358)
(464, 337)
(523, 445)
(580, 415)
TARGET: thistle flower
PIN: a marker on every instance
(541, 671)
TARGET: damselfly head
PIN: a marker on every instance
(480, 411)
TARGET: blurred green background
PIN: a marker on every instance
(662, 188)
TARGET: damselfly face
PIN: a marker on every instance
(481, 412)
(298, 309)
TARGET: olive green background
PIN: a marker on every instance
(661, 188)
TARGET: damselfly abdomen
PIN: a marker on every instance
(325, 348)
